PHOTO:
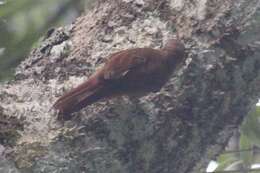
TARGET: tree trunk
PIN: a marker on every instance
(177, 130)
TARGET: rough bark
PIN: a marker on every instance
(174, 131)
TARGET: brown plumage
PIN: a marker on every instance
(129, 72)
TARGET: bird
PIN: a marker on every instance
(132, 72)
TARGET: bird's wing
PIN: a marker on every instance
(123, 64)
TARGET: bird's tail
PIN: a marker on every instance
(79, 97)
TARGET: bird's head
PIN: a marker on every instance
(174, 49)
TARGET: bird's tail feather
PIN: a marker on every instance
(85, 94)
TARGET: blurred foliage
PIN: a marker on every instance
(251, 126)
(22, 22)
(246, 156)
(248, 153)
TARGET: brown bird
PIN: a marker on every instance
(129, 72)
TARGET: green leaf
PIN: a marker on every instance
(246, 156)
(225, 160)
(251, 126)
